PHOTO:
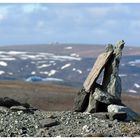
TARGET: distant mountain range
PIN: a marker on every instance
(66, 64)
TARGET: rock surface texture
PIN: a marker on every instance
(64, 124)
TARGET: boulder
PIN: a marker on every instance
(8, 102)
(99, 100)
(105, 97)
(131, 115)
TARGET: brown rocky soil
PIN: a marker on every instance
(51, 97)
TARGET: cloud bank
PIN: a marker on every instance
(69, 23)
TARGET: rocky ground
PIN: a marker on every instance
(18, 121)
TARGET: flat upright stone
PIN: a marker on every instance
(99, 65)
(131, 115)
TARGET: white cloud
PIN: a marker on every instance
(1, 17)
(3, 12)
(97, 11)
(30, 8)
(40, 24)
(135, 24)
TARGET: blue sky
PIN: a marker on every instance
(69, 23)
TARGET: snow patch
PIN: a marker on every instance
(10, 73)
(79, 71)
(132, 91)
(2, 72)
(44, 66)
(8, 59)
(137, 85)
(74, 69)
(52, 62)
(40, 62)
(2, 63)
(122, 64)
(53, 79)
(122, 75)
(65, 58)
(37, 78)
(44, 72)
(65, 66)
(15, 52)
(89, 69)
(74, 54)
(52, 72)
(33, 72)
(134, 62)
(68, 48)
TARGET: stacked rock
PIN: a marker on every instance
(104, 97)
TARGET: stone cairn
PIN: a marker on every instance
(104, 97)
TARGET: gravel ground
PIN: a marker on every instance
(62, 124)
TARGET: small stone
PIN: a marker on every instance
(48, 122)
(85, 128)
(67, 122)
(52, 116)
(58, 136)
(17, 108)
(16, 122)
(109, 125)
(19, 112)
(24, 130)
(3, 109)
(36, 126)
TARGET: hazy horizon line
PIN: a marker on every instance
(62, 43)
